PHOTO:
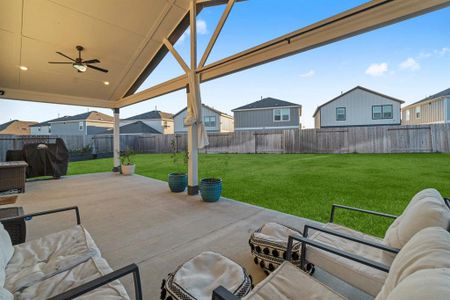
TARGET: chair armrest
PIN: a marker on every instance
(350, 238)
(321, 246)
(370, 212)
(222, 293)
(46, 212)
(98, 282)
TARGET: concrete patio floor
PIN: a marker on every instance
(135, 219)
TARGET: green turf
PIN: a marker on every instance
(307, 184)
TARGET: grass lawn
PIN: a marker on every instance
(307, 184)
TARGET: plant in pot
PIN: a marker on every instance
(211, 187)
(178, 180)
(127, 166)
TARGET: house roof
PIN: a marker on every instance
(268, 102)
(432, 97)
(16, 127)
(357, 88)
(154, 114)
(135, 127)
(88, 116)
(208, 107)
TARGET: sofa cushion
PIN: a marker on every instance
(426, 209)
(289, 282)
(89, 270)
(356, 274)
(6, 252)
(44, 257)
(428, 249)
(423, 284)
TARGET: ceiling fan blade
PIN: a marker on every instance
(62, 54)
(61, 62)
(91, 61)
(97, 68)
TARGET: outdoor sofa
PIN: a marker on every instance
(62, 265)
(426, 209)
(420, 270)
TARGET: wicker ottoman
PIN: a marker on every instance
(12, 176)
(198, 277)
(268, 245)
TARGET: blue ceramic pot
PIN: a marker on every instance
(177, 182)
(210, 189)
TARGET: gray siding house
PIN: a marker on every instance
(159, 121)
(213, 119)
(431, 110)
(358, 107)
(266, 114)
(83, 124)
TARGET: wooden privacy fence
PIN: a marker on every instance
(380, 139)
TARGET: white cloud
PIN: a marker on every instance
(410, 64)
(310, 73)
(443, 51)
(202, 28)
(377, 69)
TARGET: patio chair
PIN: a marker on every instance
(421, 270)
(426, 209)
(62, 265)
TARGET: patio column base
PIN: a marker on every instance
(116, 169)
(192, 190)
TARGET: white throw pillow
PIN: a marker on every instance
(5, 294)
(6, 252)
(428, 249)
(426, 209)
(424, 284)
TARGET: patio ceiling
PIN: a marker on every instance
(123, 35)
(127, 37)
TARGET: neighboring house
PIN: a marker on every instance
(358, 107)
(16, 127)
(135, 128)
(84, 124)
(268, 113)
(43, 128)
(158, 120)
(433, 109)
(213, 119)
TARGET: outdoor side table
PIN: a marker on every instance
(12, 176)
(16, 228)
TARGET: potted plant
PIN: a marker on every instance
(211, 187)
(178, 179)
(127, 166)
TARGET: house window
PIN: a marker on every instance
(382, 112)
(408, 115)
(418, 112)
(49, 129)
(81, 125)
(341, 114)
(39, 128)
(281, 115)
(210, 121)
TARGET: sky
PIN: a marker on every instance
(408, 60)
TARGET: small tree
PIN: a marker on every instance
(179, 162)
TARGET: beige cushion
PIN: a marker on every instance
(289, 282)
(38, 259)
(6, 252)
(85, 272)
(426, 209)
(424, 284)
(363, 277)
(428, 249)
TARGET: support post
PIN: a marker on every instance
(116, 140)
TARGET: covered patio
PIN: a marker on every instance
(136, 219)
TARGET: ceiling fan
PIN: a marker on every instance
(78, 63)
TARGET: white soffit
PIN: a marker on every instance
(123, 35)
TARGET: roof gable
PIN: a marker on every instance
(135, 127)
(207, 107)
(353, 89)
(443, 93)
(91, 116)
(268, 102)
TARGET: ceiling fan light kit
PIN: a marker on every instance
(78, 63)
